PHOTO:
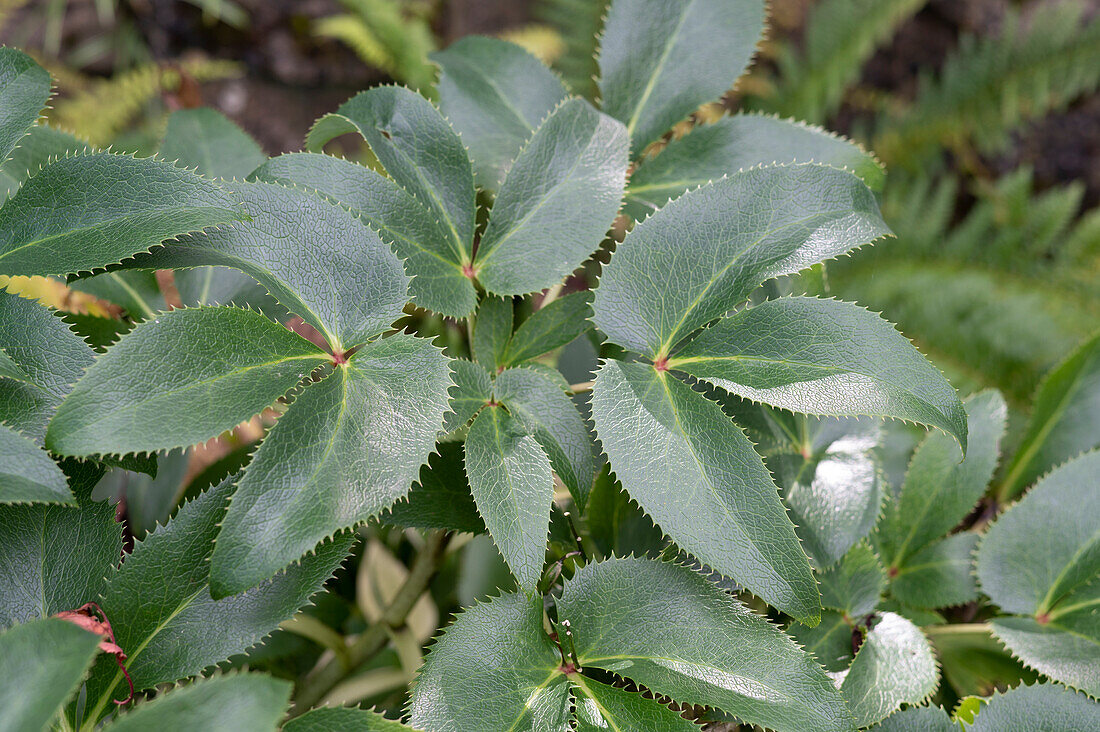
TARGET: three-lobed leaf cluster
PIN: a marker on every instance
(704, 372)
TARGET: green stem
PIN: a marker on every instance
(323, 679)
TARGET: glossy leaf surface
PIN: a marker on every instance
(163, 616)
(735, 143)
(245, 702)
(697, 475)
(24, 91)
(939, 575)
(40, 573)
(347, 448)
(823, 357)
(217, 367)
(395, 214)
(315, 258)
(834, 491)
(419, 150)
(550, 327)
(27, 474)
(46, 660)
(557, 202)
(495, 94)
(502, 644)
(659, 61)
(1037, 707)
(1049, 575)
(717, 243)
(894, 666)
(601, 707)
(941, 487)
(855, 584)
(538, 403)
(673, 632)
(513, 487)
(92, 210)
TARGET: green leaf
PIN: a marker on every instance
(163, 616)
(36, 149)
(1065, 651)
(660, 61)
(939, 575)
(617, 525)
(24, 91)
(207, 142)
(894, 666)
(149, 500)
(557, 203)
(735, 143)
(834, 491)
(10, 369)
(513, 487)
(823, 357)
(495, 94)
(246, 703)
(500, 643)
(296, 245)
(917, 719)
(830, 640)
(419, 150)
(55, 557)
(97, 332)
(398, 217)
(1065, 419)
(92, 210)
(601, 707)
(215, 368)
(1040, 559)
(441, 498)
(472, 390)
(549, 327)
(342, 719)
(696, 474)
(721, 241)
(537, 402)
(138, 293)
(1030, 570)
(27, 474)
(974, 662)
(668, 629)
(492, 331)
(347, 448)
(855, 584)
(225, 286)
(939, 490)
(1037, 707)
(44, 662)
(52, 356)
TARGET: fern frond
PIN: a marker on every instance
(840, 36)
(104, 108)
(385, 36)
(991, 85)
(578, 23)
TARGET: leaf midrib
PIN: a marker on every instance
(319, 356)
(658, 69)
(109, 222)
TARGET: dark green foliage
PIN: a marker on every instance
(712, 523)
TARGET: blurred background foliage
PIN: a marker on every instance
(985, 112)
